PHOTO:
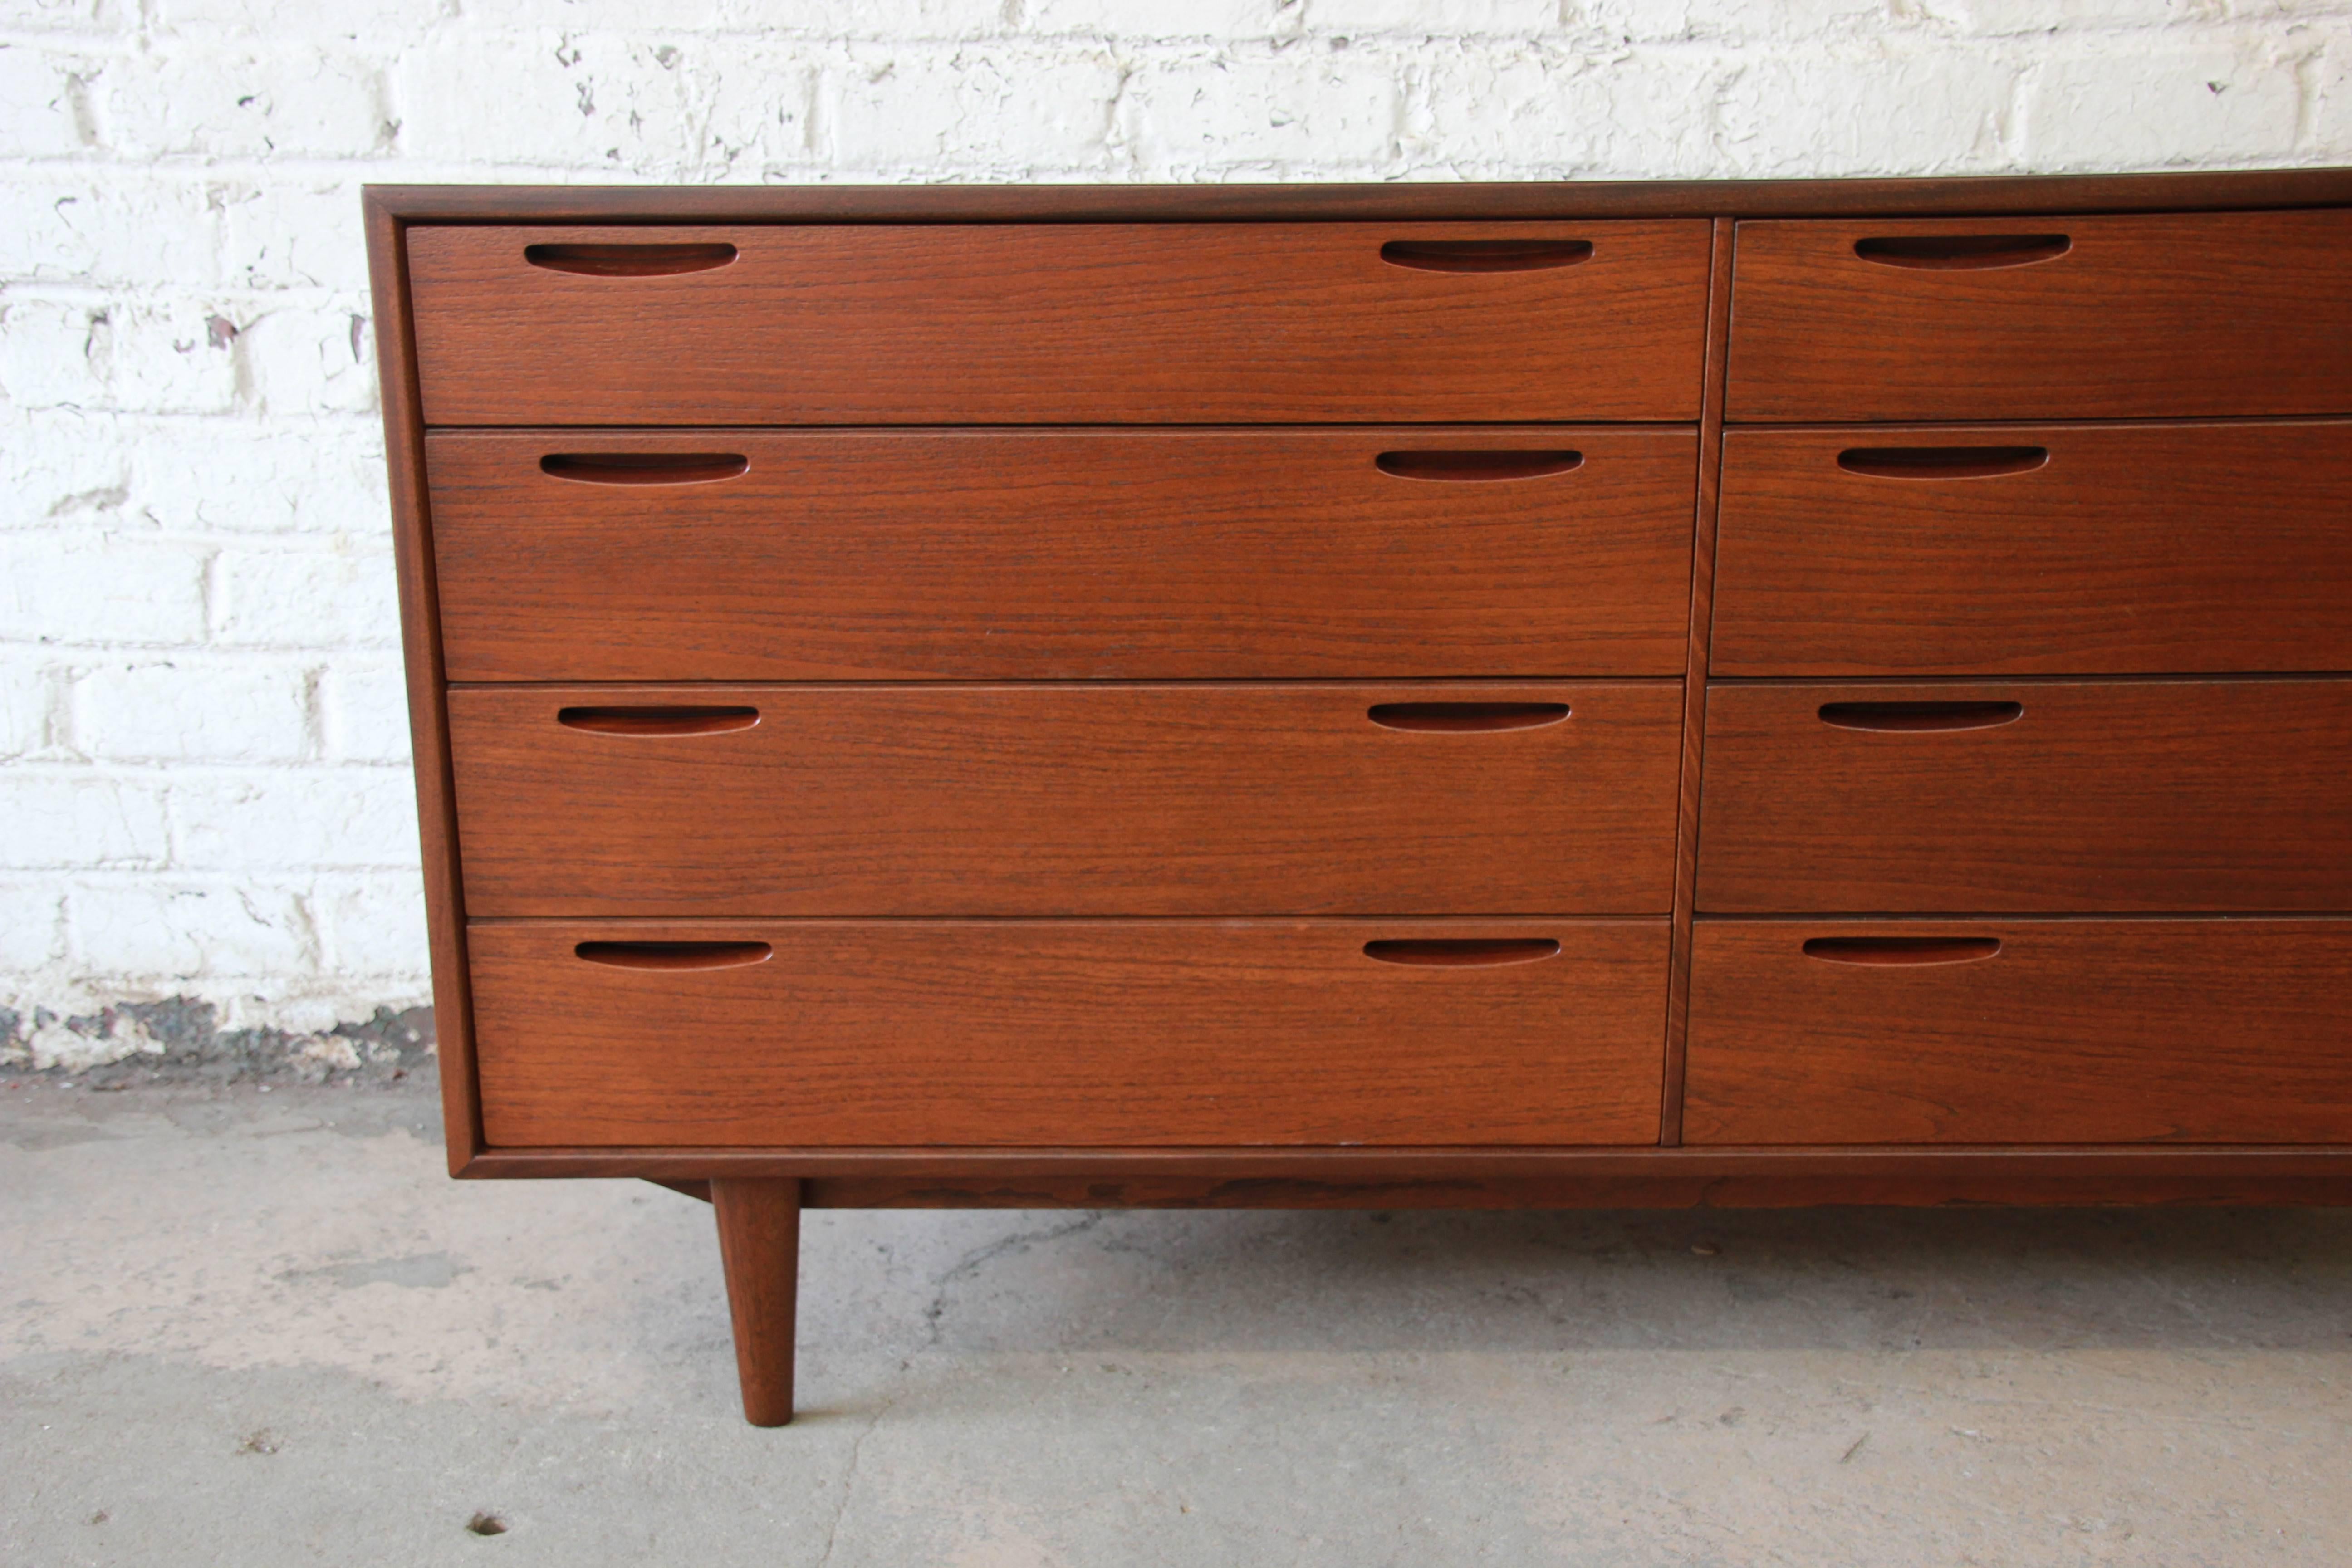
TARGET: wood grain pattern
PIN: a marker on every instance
(1103, 323)
(1129, 1032)
(1694, 671)
(1434, 200)
(2118, 797)
(760, 1247)
(2163, 316)
(2149, 549)
(2077, 1031)
(1092, 798)
(428, 720)
(1063, 555)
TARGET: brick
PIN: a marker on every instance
(156, 356)
(289, 234)
(1415, 18)
(189, 930)
(1143, 21)
(46, 102)
(62, 468)
(1768, 23)
(32, 924)
(104, 229)
(555, 100)
(317, 359)
(364, 708)
(190, 100)
(2165, 103)
(1005, 110)
(2057, 17)
(375, 926)
(201, 709)
(78, 819)
(1562, 113)
(275, 21)
(288, 474)
(319, 818)
(27, 688)
(830, 19)
(1901, 111)
(111, 589)
(1295, 111)
(759, 112)
(66, 16)
(310, 599)
(2331, 130)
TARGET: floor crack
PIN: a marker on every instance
(971, 1262)
(848, 1477)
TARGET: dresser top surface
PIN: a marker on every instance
(1425, 201)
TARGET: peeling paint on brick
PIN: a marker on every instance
(181, 1039)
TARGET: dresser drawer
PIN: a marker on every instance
(1460, 798)
(2020, 1031)
(2031, 550)
(2041, 318)
(715, 554)
(2156, 796)
(1070, 1032)
(1058, 323)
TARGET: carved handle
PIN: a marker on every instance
(1956, 252)
(651, 719)
(1463, 952)
(1896, 950)
(1465, 718)
(1485, 255)
(1920, 717)
(673, 955)
(628, 260)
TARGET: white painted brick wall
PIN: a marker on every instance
(203, 784)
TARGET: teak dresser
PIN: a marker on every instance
(1456, 696)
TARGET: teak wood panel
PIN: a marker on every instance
(2035, 550)
(420, 638)
(1558, 798)
(2076, 1031)
(1074, 324)
(1427, 200)
(1181, 554)
(2053, 317)
(2113, 796)
(1027, 1033)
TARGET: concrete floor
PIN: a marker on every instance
(257, 1327)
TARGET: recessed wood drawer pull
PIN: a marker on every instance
(628, 260)
(1465, 718)
(1952, 251)
(643, 468)
(1888, 950)
(1941, 462)
(674, 954)
(1920, 716)
(1463, 952)
(1485, 254)
(658, 721)
(1460, 467)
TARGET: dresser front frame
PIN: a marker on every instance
(1666, 1176)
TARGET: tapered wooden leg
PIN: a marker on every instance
(759, 1246)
